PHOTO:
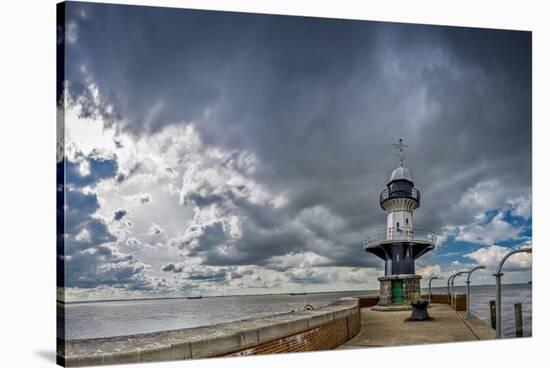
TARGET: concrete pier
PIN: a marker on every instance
(322, 329)
(380, 329)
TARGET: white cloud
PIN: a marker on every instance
(141, 198)
(521, 206)
(497, 229)
(83, 236)
(154, 229)
(132, 241)
(71, 32)
(483, 196)
(429, 271)
(298, 260)
(491, 256)
(86, 132)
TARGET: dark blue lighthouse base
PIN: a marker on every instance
(399, 290)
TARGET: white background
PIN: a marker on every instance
(27, 180)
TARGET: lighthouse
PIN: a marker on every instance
(399, 244)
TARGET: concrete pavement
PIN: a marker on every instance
(391, 328)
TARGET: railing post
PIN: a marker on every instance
(452, 280)
(453, 301)
(430, 288)
(498, 276)
(493, 310)
(453, 290)
(468, 289)
(497, 306)
(467, 298)
(449, 290)
(519, 319)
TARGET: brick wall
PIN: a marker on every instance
(439, 298)
(324, 337)
(368, 301)
(460, 302)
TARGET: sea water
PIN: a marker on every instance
(128, 317)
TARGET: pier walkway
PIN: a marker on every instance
(391, 328)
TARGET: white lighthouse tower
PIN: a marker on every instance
(399, 244)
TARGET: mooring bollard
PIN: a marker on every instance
(519, 319)
(493, 306)
(419, 310)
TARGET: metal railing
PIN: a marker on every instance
(452, 291)
(381, 235)
(481, 267)
(412, 193)
(498, 276)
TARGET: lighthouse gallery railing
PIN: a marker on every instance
(381, 235)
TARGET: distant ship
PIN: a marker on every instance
(195, 297)
(298, 293)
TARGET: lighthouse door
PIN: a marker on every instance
(397, 292)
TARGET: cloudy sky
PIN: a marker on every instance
(221, 153)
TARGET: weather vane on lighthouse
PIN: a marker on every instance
(401, 154)
(399, 244)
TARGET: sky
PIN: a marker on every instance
(217, 153)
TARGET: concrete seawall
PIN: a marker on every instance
(321, 329)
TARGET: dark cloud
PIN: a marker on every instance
(218, 275)
(100, 265)
(308, 276)
(80, 207)
(240, 273)
(318, 103)
(119, 214)
(144, 198)
(83, 96)
(170, 267)
(215, 276)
